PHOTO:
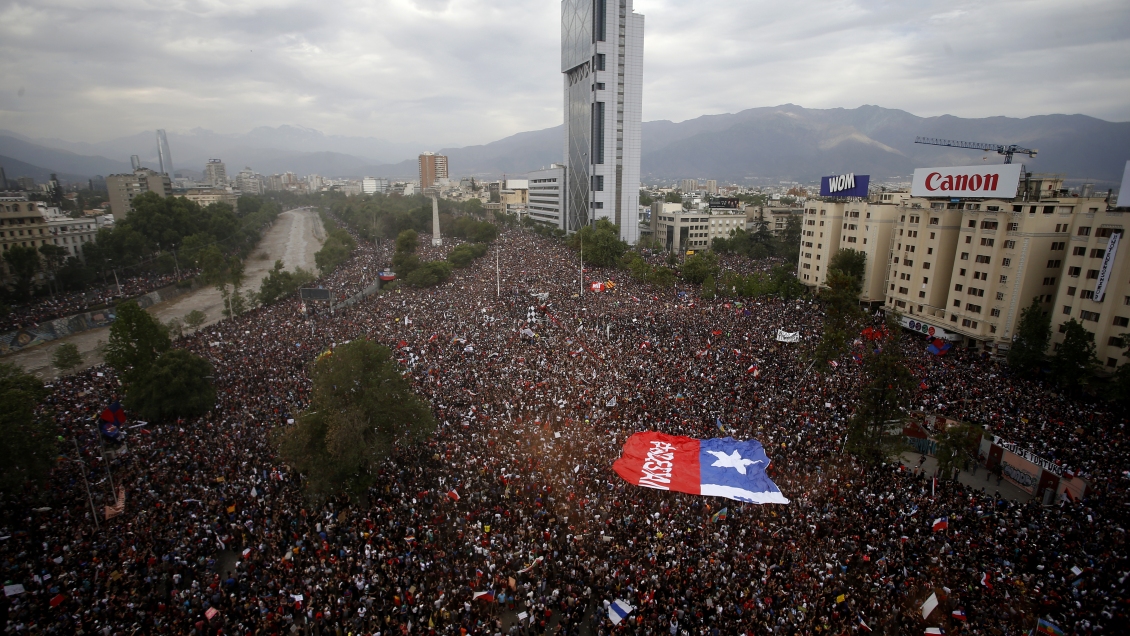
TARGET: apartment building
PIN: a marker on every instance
(819, 240)
(989, 259)
(433, 169)
(1095, 285)
(207, 196)
(122, 189)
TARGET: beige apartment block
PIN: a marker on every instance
(920, 262)
(207, 196)
(819, 240)
(868, 227)
(1088, 253)
(122, 188)
(1008, 253)
(678, 229)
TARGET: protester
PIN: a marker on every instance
(515, 495)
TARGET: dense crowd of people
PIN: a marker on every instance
(514, 494)
(104, 294)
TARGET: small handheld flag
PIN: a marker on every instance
(941, 523)
(1048, 628)
(487, 596)
(453, 495)
(931, 631)
(113, 417)
(959, 615)
(720, 515)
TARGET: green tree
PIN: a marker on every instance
(958, 446)
(709, 289)
(176, 384)
(429, 274)
(407, 241)
(875, 429)
(699, 267)
(645, 198)
(360, 409)
(66, 357)
(23, 262)
(842, 315)
(404, 263)
(279, 283)
(850, 262)
(1075, 360)
(136, 341)
(1029, 347)
(600, 246)
(790, 239)
(194, 319)
(54, 256)
(463, 255)
(336, 250)
(28, 451)
(672, 197)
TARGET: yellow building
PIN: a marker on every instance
(1095, 286)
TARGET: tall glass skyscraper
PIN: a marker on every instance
(602, 64)
(164, 157)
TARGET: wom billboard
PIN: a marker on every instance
(844, 185)
(982, 182)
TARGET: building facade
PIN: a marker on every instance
(678, 229)
(208, 196)
(602, 68)
(687, 186)
(1095, 286)
(248, 182)
(164, 156)
(545, 195)
(122, 189)
(215, 173)
(433, 169)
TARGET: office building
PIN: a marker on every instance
(373, 185)
(164, 157)
(122, 189)
(602, 68)
(26, 184)
(433, 169)
(215, 174)
(678, 229)
(135, 162)
(545, 195)
(1095, 285)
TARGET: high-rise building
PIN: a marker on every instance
(688, 185)
(602, 67)
(135, 162)
(215, 173)
(711, 186)
(433, 168)
(164, 157)
(122, 189)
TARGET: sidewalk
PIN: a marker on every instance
(982, 480)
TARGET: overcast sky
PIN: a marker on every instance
(457, 72)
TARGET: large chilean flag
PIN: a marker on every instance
(722, 467)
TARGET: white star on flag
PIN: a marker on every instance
(733, 460)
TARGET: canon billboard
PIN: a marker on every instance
(982, 182)
(844, 185)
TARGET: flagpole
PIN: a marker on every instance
(109, 476)
(86, 483)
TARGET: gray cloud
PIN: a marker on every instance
(471, 71)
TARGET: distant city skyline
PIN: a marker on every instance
(353, 67)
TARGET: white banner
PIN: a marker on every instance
(982, 182)
(784, 336)
(1108, 263)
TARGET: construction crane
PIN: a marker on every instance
(1000, 149)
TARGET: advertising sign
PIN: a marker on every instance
(1124, 194)
(926, 329)
(1108, 262)
(844, 185)
(982, 182)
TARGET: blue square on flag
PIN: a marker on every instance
(736, 470)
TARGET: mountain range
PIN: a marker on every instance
(758, 145)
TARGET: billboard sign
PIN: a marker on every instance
(981, 182)
(1124, 194)
(844, 185)
(926, 329)
(310, 293)
(1108, 262)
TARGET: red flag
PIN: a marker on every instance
(57, 600)
(454, 495)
